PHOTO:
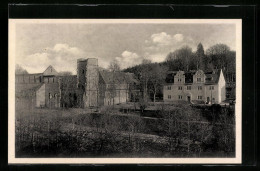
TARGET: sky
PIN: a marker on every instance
(39, 45)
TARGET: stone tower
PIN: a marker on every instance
(88, 79)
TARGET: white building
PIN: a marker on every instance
(195, 86)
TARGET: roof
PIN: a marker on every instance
(50, 71)
(170, 77)
(130, 78)
(34, 74)
(212, 77)
(189, 77)
(27, 87)
(118, 77)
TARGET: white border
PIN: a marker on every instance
(11, 96)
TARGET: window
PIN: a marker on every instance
(198, 79)
(179, 79)
(83, 71)
(169, 96)
(188, 87)
(169, 87)
(180, 97)
(211, 87)
(199, 97)
(180, 88)
(199, 87)
(48, 80)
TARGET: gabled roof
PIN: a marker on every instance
(50, 71)
(27, 87)
(131, 78)
(118, 77)
(34, 74)
(212, 77)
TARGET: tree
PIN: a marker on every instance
(183, 56)
(158, 76)
(68, 87)
(145, 76)
(218, 55)
(113, 68)
(200, 57)
(20, 70)
(146, 61)
(230, 64)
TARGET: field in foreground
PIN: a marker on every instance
(180, 131)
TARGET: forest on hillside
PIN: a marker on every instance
(152, 75)
(218, 56)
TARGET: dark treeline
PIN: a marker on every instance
(218, 56)
(152, 75)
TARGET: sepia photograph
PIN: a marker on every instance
(125, 91)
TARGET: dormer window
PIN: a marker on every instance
(198, 79)
(211, 87)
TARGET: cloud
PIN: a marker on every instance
(65, 48)
(165, 39)
(61, 56)
(161, 38)
(33, 63)
(160, 44)
(128, 59)
(178, 37)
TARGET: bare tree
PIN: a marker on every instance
(157, 78)
(218, 55)
(182, 55)
(113, 68)
(20, 70)
(145, 77)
